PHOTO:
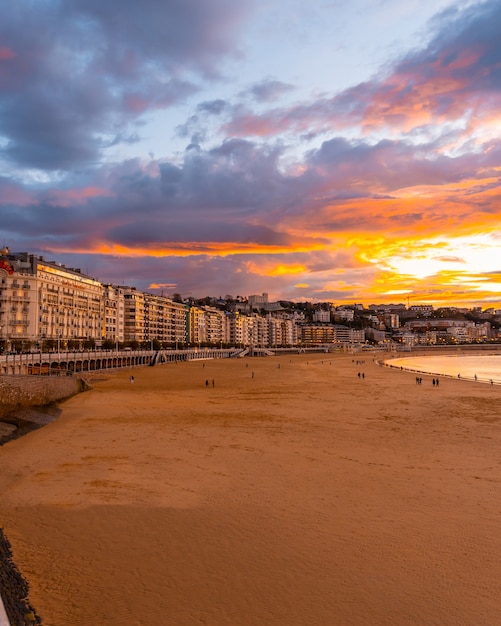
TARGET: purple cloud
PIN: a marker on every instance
(74, 75)
(269, 89)
(457, 74)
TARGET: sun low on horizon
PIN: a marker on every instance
(341, 153)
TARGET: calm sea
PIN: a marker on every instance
(485, 368)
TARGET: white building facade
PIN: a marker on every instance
(43, 301)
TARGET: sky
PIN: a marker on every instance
(336, 151)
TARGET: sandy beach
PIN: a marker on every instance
(292, 492)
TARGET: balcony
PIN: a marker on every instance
(18, 323)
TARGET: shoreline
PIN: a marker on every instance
(155, 493)
(14, 596)
(24, 421)
(474, 378)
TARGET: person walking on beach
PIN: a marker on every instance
(131, 380)
(207, 383)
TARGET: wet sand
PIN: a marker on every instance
(302, 495)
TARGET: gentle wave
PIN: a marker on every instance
(485, 369)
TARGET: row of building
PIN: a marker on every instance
(44, 301)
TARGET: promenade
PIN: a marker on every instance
(71, 362)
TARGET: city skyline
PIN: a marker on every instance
(320, 152)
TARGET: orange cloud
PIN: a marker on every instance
(181, 249)
(271, 268)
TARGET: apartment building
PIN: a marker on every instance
(344, 334)
(43, 300)
(177, 317)
(330, 333)
(215, 326)
(165, 320)
(322, 316)
(114, 313)
(282, 331)
(257, 331)
(196, 326)
(238, 329)
(133, 315)
(317, 333)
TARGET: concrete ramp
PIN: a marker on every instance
(239, 354)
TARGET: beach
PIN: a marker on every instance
(292, 490)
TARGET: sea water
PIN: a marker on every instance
(484, 368)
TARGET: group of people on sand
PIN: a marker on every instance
(419, 381)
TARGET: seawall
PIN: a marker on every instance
(23, 392)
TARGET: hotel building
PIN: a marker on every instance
(45, 301)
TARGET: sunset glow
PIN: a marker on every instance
(231, 158)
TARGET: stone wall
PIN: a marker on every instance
(21, 392)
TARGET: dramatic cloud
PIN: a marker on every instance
(456, 76)
(75, 74)
(138, 142)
